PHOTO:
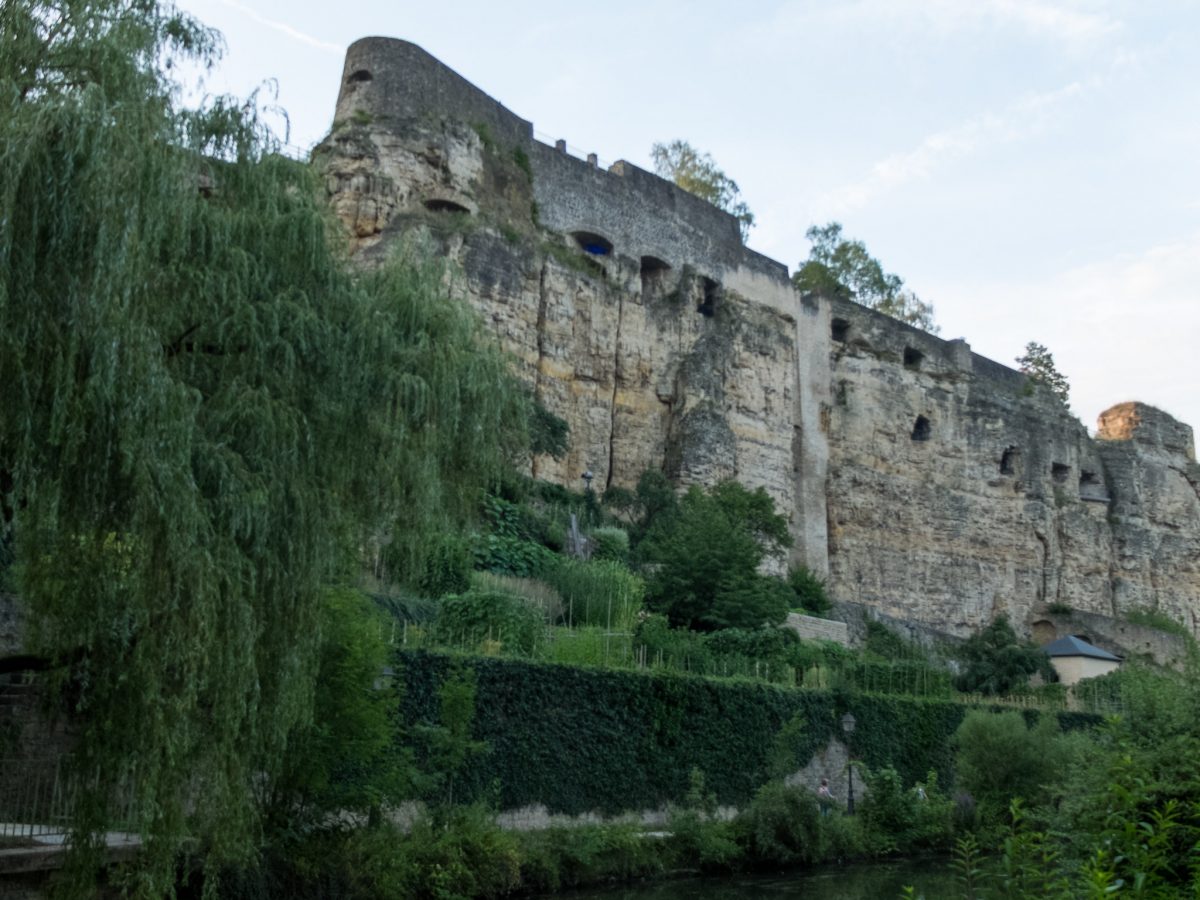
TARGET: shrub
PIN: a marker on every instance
(842, 836)
(1000, 758)
(705, 553)
(460, 852)
(996, 662)
(778, 647)
(698, 839)
(587, 645)
(447, 567)
(1153, 618)
(933, 820)
(610, 544)
(533, 590)
(511, 556)
(467, 620)
(809, 591)
(781, 826)
(408, 607)
(887, 644)
(557, 858)
(597, 593)
(887, 811)
(678, 648)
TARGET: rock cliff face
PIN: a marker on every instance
(929, 483)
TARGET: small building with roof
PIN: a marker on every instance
(1074, 659)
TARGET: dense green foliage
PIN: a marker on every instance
(837, 267)
(995, 661)
(697, 173)
(809, 591)
(589, 739)
(599, 592)
(207, 418)
(489, 620)
(1001, 758)
(346, 758)
(705, 554)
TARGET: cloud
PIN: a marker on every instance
(1020, 120)
(1063, 22)
(1120, 329)
(286, 29)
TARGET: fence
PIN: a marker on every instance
(607, 648)
(38, 796)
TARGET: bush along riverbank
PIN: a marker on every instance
(459, 852)
(1034, 807)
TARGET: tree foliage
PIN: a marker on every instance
(698, 173)
(999, 758)
(704, 556)
(839, 267)
(1038, 363)
(346, 759)
(206, 416)
(996, 662)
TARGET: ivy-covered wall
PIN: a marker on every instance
(579, 740)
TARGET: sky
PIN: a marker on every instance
(1029, 167)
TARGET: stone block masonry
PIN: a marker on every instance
(926, 482)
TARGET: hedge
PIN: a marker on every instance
(579, 739)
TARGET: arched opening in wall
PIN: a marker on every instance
(912, 358)
(1091, 487)
(654, 275)
(839, 330)
(1010, 461)
(1044, 632)
(445, 206)
(922, 429)
(359, 76)
(595, 244)
(707, 306)
(1060, 472)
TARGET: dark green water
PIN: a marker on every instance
(932, 879)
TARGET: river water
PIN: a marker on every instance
(932, 879)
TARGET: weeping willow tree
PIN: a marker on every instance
(205, 419)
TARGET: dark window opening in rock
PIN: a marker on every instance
(912, 358)
(1010, 459)
(707, 306)
(1060, 472)
(594, 244)
(840, 330)
(654, 273)
(445, 206)
(922, 430)
(1091, 487)
(360, 76)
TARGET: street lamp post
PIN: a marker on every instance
(848, 724)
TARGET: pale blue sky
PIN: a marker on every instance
(1030, 167)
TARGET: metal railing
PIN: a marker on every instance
(38, 797)
(34, 798)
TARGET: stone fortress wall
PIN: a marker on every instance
(929, 483)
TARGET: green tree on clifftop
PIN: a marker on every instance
(838, 267)
(698, 173)
(1038, 363)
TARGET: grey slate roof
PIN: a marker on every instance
(1073, 646)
